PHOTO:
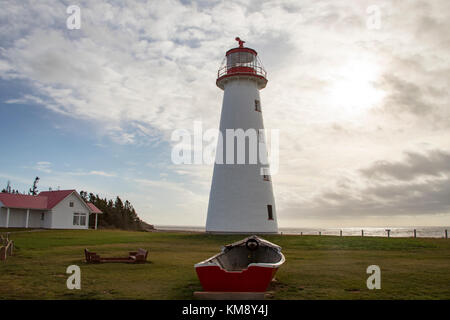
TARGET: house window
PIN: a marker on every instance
(257, 105)
(266, 177)
(71, 204)
(42, 216)
(76, 219)
(79, 219)
(269, 211)
(82, 219)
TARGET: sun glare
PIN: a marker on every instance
(353, 91)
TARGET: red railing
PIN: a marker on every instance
(245, 70)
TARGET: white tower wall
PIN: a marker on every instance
(240, 196)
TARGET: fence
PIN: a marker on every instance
(386, 233)
(6, 247)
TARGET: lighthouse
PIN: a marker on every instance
(241, 198)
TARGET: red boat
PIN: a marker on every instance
(244, 266)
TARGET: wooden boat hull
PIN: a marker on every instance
(253, 279)
(248, 265)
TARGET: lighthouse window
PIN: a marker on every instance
(269, 211)
(257, 105)
(265, 173)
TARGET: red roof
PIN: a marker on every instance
(234, 50)
(46, 200)
(23, 201)
(93, 208)
(55, 197)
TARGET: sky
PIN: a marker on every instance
(357, 89)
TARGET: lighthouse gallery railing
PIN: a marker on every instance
(241, 70)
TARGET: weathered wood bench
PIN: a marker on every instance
(139, 256)
(91, 257)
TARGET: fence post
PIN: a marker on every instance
(362, 233)
(9, 248)
(320, 233)
(446, 234)
(340, 233)
(2, 253)
(388, 232)
(301, 233)
(415, 233)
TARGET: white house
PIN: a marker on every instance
(63, 209)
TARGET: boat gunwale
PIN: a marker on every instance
(209, 263)
(240, 243)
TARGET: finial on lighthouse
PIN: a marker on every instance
(241, 42)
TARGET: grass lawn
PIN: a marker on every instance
(316, 267)
(6, 230)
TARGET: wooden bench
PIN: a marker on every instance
(91, 257)
(139, 256)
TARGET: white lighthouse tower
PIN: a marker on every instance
(241, 198)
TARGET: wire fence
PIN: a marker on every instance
(371, 232)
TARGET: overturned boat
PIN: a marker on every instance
(244, 266)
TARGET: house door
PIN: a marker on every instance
(42, 220)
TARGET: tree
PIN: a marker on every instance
(8, 188)
(116, 213)
(33, 190)
(83, 195)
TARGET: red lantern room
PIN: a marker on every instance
(241, 63)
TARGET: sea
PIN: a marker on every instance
(400, 232)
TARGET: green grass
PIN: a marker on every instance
(9, 230)
(317, 267)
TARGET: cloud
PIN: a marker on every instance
(111, 74)
(43, 166)
(420, 184)
(145, 68)
(102, 173)
(405, 96)
(435, 164)
(90, 173)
